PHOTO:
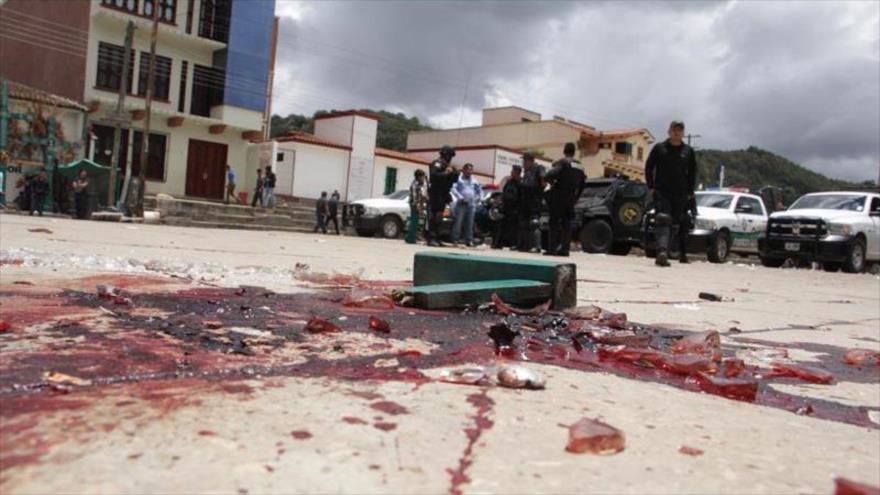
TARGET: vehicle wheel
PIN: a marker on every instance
(365, 233)
(620, 248)
(391, 227)
(719, 249)
(831, 266)
(596, 237)
(772, 262)
(855, 258)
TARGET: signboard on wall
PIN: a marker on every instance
(360, 178)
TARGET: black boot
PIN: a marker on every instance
(662, 259)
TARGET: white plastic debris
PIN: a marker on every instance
(516, 376)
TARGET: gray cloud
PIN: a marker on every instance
(798, 78)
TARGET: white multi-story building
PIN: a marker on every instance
(212, 80)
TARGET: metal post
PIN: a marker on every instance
(120, 107)
(151, 69)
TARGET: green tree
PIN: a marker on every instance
(391, 133)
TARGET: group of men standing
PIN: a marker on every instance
(670, 173)
(518, 214)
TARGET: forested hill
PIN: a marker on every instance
(754, 168)
(392, 132)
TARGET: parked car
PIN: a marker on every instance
(838, 229)
(388, 215)
(727, 222)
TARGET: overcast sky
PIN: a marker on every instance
(800, 78)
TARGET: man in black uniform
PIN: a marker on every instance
(506, 227)
(442, 176)
(531, 198)
(567, 183)
(670, 173)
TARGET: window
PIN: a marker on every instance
(104, 145)
(623, 148)
(167, 8)
(161, 78)
(753, 204)
(181, 95)
(214, 20)
(641, 154)
(875, 205)
(207, 90)
(190, 4)
(109, 74)
(155, 155)
(390, 180)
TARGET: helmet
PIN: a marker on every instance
(447, 151)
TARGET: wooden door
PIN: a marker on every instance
(205, 169)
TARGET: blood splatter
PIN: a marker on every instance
(301, 434)
(690, 451)
(389, 407)
(379, 325)
(483, 404)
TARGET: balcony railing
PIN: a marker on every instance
(144, 8)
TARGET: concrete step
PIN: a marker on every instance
(185, 222)
(268, 220)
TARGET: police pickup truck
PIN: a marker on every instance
(838, 229)
(727, 222)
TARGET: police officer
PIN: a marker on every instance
(442, 176)
(506, 227)
(567, 183)
(670, 173)
(530, 202)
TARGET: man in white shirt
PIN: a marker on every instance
(466, 192)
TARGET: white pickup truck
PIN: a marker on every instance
(733, 221)
(838, 229)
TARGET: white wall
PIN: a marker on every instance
(317, 168)
(405, 171)
(336, 130)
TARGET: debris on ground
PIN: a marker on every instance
(708, 296)
(707, 343)
(505, 309)
(113, 294)
(40, 231)
(56, 377)
(319, 325)
(594, 437)
(800, 371)
(516, 376)
(466, 376)
(379, 325)
(4, 326)
(858, 357)
(843, 486)
(359, 298)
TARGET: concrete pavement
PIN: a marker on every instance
(307, 432)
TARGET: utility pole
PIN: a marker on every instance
(689, 136)
(151, 69)
(120, 108)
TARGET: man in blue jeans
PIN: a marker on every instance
(466, 192)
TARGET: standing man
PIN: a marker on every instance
(39, 190)
(511, 196)
(333, 211)
(530, 202)
(466, 192)
(567, 183)
(417, 202)
(81, 195)
(269, 188)
(671, 174)
(321, 210)
(258, 192)
(230, 185)
(443, 176)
